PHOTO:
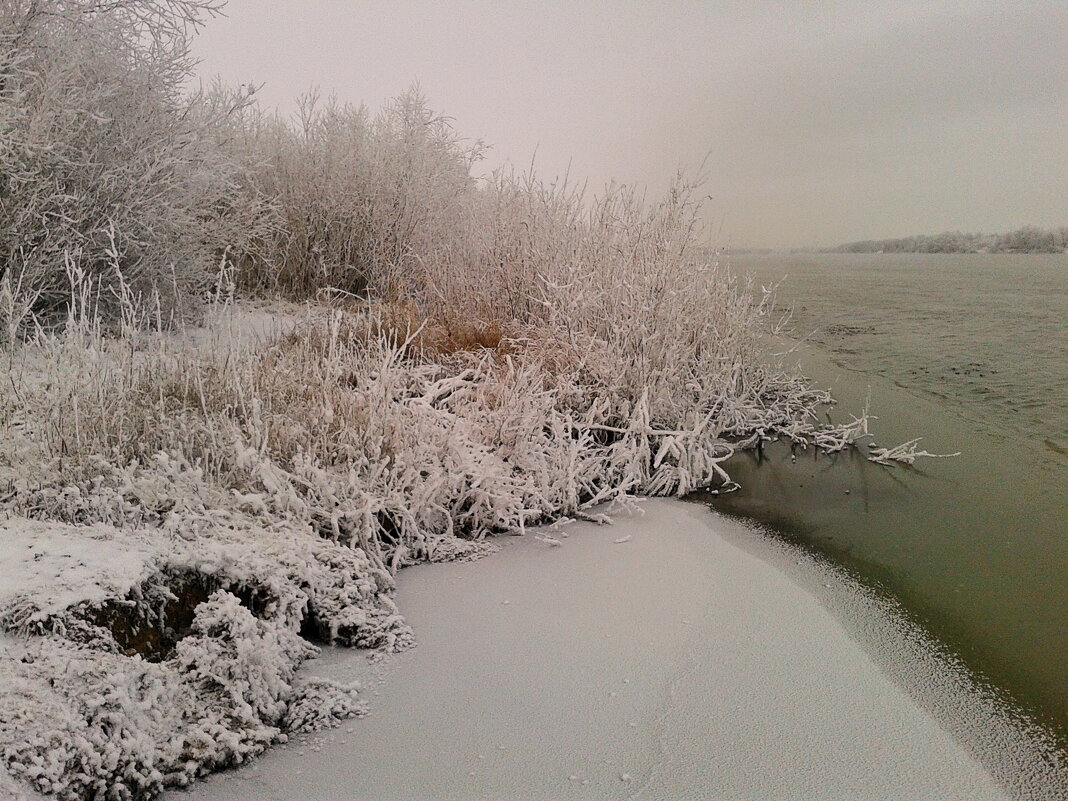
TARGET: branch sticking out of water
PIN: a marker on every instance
(905, 452)
(837, 438)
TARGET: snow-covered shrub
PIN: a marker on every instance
(375, 440)
(78, 722)
(249, 662)
(322, 703)
(107, 167)
(361, 200)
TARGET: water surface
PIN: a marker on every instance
(985, 332)
(971, 352)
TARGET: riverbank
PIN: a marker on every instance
(185, 513)
(666, 655)
(192, 502)
(290, 460)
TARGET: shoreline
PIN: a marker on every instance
(981, 716)
(579, 641)
(255, 577)
(978, 571)
(259, 516)
(260, 362)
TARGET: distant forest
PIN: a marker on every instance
(1023, 240)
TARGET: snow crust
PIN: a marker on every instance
(51, 566)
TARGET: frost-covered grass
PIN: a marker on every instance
(271, 471)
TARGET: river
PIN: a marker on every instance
(971, 353)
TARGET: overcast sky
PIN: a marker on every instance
(823, 122)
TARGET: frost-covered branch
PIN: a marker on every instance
(905, 453)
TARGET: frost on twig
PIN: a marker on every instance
(835, 438)
(905, 453)
(599, 519)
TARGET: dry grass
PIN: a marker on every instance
(441, 337)
(478, 357)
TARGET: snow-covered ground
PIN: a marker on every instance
(670, 655)
(51, 566)
(129, 663)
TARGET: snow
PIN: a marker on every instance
(177, 509)
(591, 678)
(50, 566)
(80, 718)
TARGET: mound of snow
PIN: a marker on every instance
(47, 567)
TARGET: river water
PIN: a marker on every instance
(970, 352)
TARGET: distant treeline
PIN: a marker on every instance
(1028, 239)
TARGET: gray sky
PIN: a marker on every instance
(823, 122)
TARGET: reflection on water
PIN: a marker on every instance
(972, 353)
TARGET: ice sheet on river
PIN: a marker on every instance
(649, 659)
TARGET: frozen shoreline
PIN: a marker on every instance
(672, 664)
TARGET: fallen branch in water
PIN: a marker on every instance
(838, 438)
(905, 452)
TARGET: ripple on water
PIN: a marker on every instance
(986, 333)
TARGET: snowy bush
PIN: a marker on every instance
(250, 663)
(361, 200)
(83, 720)
(322, 704)
(80, 723)
(106, 166)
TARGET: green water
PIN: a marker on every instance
(970, 352)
